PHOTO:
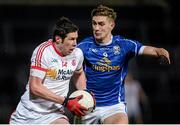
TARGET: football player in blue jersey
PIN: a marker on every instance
(106, 63)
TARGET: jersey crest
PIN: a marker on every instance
(116, 50)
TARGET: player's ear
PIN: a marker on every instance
(58, 39)
(112, 25)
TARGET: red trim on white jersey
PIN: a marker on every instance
(39, 49)
(40, 52)
(56, 50)
(38, 68)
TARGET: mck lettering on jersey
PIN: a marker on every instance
(60, 74)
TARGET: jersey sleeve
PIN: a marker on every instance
(135, 48)
(80, 59)
(38, 63)
(81, 46)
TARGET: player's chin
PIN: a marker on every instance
(67, 53)
(98, 39)
(97, 35)
(70, 51)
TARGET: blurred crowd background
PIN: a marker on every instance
(26, 23)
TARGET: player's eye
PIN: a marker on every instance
(94, 23)
(101, 23)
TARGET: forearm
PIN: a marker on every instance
(157, 52)
(79, 79)
(37, 89)
(151, 51)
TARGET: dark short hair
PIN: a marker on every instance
(64, 26)
(102, 10)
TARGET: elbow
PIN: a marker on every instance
(34, 89)
(35, 85)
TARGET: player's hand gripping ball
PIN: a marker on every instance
(87, 100)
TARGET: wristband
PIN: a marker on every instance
(65, 102)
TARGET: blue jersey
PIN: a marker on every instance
(106, 67)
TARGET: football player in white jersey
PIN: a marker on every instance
(106, 64)
(53, 63)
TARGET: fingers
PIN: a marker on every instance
(79, 113)
(92, 94)
(163, 60)
(169, 62)
(78, 110)
(93, 99)
(166, 54)
(79, 97)
(83, 108)
(163, 56)
(79, 105)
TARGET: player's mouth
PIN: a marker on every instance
(97, 34)
(71, 50)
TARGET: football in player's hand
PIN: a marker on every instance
(86, 101)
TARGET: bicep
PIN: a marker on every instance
(79, 75)
(79, 79)
(78, 72)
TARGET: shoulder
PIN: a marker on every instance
(86, 41)
(43, 46)
(42, 49)
(78, 52)
(121, 39)
(125, 41)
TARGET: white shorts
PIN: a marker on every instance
(101, 113)
(24, 116)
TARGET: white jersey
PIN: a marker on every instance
(48, 64)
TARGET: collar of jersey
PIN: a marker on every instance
(56, 50)
(105, 44)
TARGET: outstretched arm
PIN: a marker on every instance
(161, 53)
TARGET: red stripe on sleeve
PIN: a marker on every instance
(40, 52)
(39, 68)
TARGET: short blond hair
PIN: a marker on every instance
(102, 10)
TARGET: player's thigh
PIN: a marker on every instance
(118, 118)
(60, 121)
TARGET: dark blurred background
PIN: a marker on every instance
(26, 23)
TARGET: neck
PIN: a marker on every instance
(105, 41)
(59, 48)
